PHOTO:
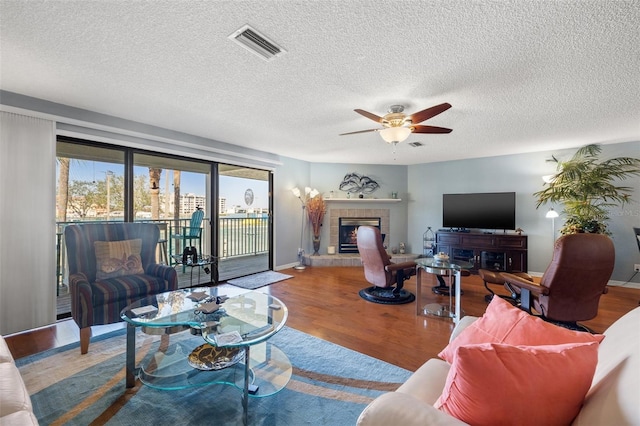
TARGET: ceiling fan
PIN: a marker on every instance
(397, 126)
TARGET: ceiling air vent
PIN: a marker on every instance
(257, 43)
(416, 144)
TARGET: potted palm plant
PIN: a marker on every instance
(588, 188)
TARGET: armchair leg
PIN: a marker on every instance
(399, 282)
(85, 338)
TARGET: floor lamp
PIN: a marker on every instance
(552, 214)
(308, 194)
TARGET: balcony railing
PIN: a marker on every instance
(243, 236)
(239, 236)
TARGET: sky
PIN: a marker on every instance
(231, 188)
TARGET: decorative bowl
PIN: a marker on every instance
(441, 257)
(209, 357)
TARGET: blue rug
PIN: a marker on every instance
(330, 385)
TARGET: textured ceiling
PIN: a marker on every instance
(522, 76)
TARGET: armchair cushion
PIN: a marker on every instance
(538, 385)
(118, 258)
(504, 323)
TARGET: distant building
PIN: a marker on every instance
(189, 203)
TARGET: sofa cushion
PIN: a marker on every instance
(19, 418)
(493, 384)
(394, 408)
(13, 395)
(615, 394)
(504, 323)
(5, 353)
(434, 372)
(118, 258)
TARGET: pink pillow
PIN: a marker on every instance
(495, 384)
(504, 323)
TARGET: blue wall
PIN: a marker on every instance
(521, 173)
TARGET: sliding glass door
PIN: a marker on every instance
(231, 206)
(244, 225)
(168, 191)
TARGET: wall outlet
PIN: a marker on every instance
(636, 267)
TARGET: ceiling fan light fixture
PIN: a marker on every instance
(395, 134)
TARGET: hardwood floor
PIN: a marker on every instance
(324, 302)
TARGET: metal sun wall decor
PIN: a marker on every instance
(357, 183)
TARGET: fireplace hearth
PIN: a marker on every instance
(348, 230)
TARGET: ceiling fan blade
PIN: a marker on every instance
(369, 115)
(426, 114)
(360, 131)
(430, 129)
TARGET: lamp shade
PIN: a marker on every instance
(296, 191)
(551, 214)
(395, 134)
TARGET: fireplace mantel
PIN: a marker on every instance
(362, 200)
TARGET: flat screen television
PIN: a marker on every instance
(488, 210)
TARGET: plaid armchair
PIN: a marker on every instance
(111, 265)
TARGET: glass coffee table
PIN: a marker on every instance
(234, 349)
(450, 268)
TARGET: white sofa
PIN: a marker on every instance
(613, 399)
(15, 404)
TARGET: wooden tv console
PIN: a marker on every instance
(504, 252)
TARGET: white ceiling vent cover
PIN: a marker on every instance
(252, 40)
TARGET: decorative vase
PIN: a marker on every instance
(316, 245)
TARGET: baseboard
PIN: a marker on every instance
(287, 266)
(624, 284)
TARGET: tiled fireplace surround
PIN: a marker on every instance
(349, 259)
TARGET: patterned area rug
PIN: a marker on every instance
(330, 385)
(261, 279)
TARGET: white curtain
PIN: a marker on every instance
(27, 223)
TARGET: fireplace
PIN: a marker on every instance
(348, 229)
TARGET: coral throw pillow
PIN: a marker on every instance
(504, 323)
(496, 384)
(118, 258)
